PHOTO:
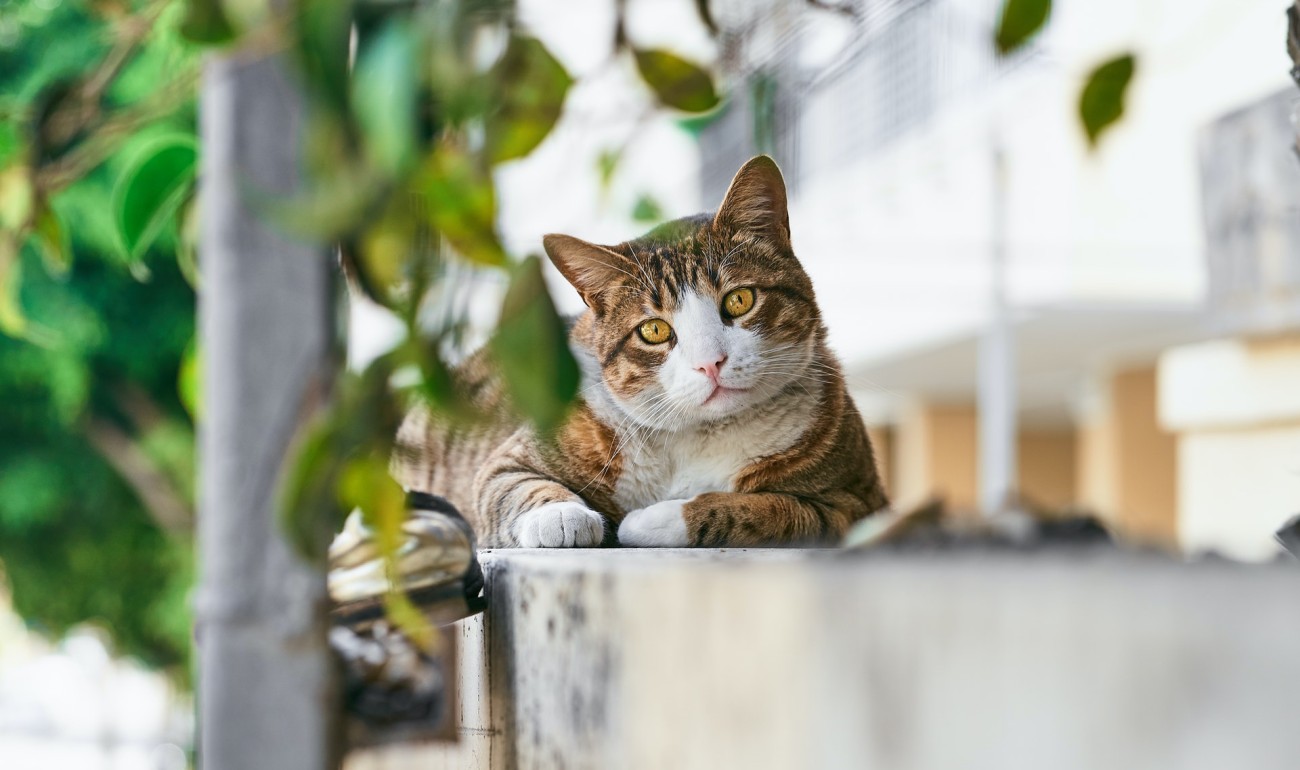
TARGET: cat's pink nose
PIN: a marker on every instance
(712, 368)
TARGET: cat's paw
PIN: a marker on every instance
(661, 525)
(560, 525)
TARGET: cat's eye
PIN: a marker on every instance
(738, 302)
(655, 331)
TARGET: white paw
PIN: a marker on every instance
(560, 525)
(655, 526)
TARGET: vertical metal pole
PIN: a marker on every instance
(267, 692)
(997, 364)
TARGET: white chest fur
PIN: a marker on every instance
(668, 466)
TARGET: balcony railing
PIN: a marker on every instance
(1250, 192)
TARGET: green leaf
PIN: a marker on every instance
(1020, 20)
(606, 165)
(187, 240)
(12, 144)
(1101, 103)
(678, 83)
(531, 348)
(189, 380)
(383, 252)
(12, 320)
(384, 96)
(17, 197)
(335, 204)
(151, 190)
(438, 384)
(324, 28)
(51, 240)
(365, 484)
(205, 23)
(308, 493)
(463, 205)
(533, 87)
(362, 419)
(647, 209)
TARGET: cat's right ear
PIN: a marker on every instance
(590, 268)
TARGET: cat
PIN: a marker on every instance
(711, 413)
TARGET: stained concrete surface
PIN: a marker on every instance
(811, 659)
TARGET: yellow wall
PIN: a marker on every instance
(1046, 467)
(935, 452)
(882, 446)
(1095, 466)
(1127, 463)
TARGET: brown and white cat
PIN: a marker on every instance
(712, 413)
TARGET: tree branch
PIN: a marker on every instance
(1293, 50)
(165, 505)
(108, 136)
(1293, 39)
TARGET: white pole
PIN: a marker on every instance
(997, 364)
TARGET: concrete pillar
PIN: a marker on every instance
(997, 385)
(266, 679)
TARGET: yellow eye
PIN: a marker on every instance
(655, 331)
(738, 302)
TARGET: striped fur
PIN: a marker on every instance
(736, 431)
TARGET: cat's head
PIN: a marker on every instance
(703, 317)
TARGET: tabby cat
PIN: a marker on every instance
(711, 412)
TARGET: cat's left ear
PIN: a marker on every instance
(755, 202)
(590, 268)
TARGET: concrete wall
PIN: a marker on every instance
(796, 659)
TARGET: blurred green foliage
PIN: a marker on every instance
(89, 368)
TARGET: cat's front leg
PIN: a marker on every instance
(522, 504)
(565, 524)
(738, 519)
(524, 507)
(662, 525)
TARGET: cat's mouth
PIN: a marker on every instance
(722, 392)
